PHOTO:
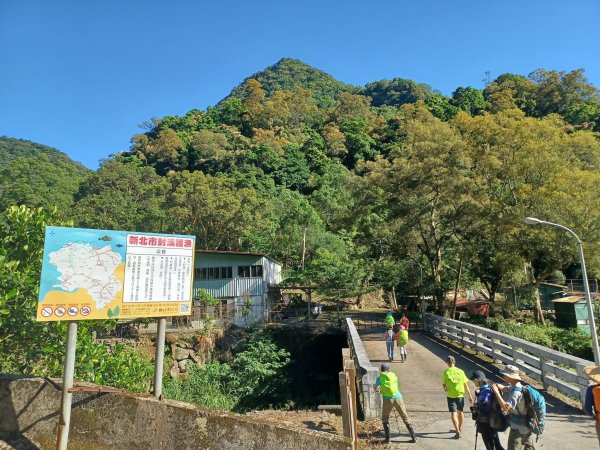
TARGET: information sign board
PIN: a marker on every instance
(102, 274)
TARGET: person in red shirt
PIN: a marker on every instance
(404, 321)
(593, 374)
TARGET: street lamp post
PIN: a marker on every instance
(586, 286)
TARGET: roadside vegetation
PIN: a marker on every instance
(255, 378)
(37, 348)
(572, 341)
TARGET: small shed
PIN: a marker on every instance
(550, 292)
(572, 312)
(241, 281)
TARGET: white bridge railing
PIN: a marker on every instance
(552, 368)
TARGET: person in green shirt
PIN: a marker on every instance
(455, 383)
(387, 384)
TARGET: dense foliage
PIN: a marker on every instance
(38, 348)
(390, 185)
(255, 378)
(573, 341)
(37, 176)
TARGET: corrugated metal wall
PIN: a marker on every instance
(237, 287)
(271, 271)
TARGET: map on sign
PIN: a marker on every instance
(100, 274)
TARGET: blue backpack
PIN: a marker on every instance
(536, 409)
(490, 408)
(485, 400)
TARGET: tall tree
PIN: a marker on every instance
(122, 195)
(468, 99)
(524, 167)
(427, 186)
(218, 213)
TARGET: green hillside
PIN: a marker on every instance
(37, 175)
(11, 148)
(288, 74)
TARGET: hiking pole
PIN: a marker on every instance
(477, 434)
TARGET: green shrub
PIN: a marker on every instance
(572, 341)
(37, 348)
(258, 372)
(255, 378)
(206, 299)
(505, 309)
(206, 386)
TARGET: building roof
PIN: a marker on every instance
(231, 252)
(571, 299)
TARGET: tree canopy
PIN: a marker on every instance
(391, 185)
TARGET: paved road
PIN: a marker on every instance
(420, 384)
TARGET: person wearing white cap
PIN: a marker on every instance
(512, 402)
(593, 374)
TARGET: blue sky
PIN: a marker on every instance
(80, 76)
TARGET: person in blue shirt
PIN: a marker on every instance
(387, 384)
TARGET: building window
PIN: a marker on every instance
(214, 273)
(250, 271)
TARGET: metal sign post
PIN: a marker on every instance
(160, 354)
(67, 397)
(141, 274)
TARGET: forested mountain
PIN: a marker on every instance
(11, 149)
(392, 184)
(37, 175)
(289, 74)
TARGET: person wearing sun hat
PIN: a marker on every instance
(593, 395)
(512, 402)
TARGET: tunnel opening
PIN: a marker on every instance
(316, 360)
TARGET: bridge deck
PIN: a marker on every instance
(420, 384)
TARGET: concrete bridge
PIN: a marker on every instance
(420, 382)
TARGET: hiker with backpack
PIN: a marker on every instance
(488, 417)
(387, 384)
(389, 338)
(592, 397)
(389, 320)
(455, 383)
(526, 406)
(404, 321)
(402, 339)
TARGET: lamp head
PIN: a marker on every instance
(532, 221)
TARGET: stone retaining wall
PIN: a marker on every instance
(29, 407)
(366, 374)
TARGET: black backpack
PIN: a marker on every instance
(498, 420)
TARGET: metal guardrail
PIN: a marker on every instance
(552, 368)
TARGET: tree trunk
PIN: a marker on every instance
(538, 315)
(303, 248)
(393, 300)
(359, 301)
(456, 287)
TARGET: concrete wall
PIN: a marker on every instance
(366, 374)
(29, 407)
